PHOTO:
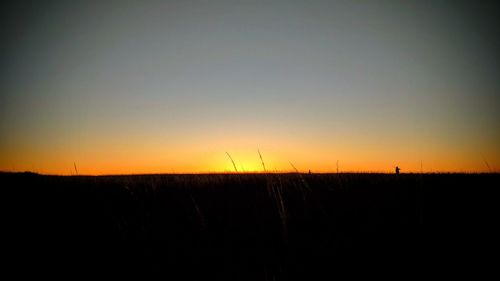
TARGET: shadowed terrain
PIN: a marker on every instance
(246, 226)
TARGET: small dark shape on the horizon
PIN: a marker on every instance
(397, 170)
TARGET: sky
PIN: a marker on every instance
(127, 87)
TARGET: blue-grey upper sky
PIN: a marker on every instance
(175, 84)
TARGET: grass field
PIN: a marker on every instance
(246, 226)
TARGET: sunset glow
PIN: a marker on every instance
(171, 86)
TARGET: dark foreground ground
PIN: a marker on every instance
(249, 226)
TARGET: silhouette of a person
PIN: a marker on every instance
(397, 170)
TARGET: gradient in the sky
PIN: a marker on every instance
(170, 86)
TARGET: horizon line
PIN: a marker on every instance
(255, 173)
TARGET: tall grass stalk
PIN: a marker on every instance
(232, 161)
(262, 161)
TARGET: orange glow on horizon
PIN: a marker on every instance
(143, 154)
(276, 159)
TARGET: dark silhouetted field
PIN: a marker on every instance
(248, 226)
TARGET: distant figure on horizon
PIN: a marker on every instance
(397, 170)
(309, 172)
